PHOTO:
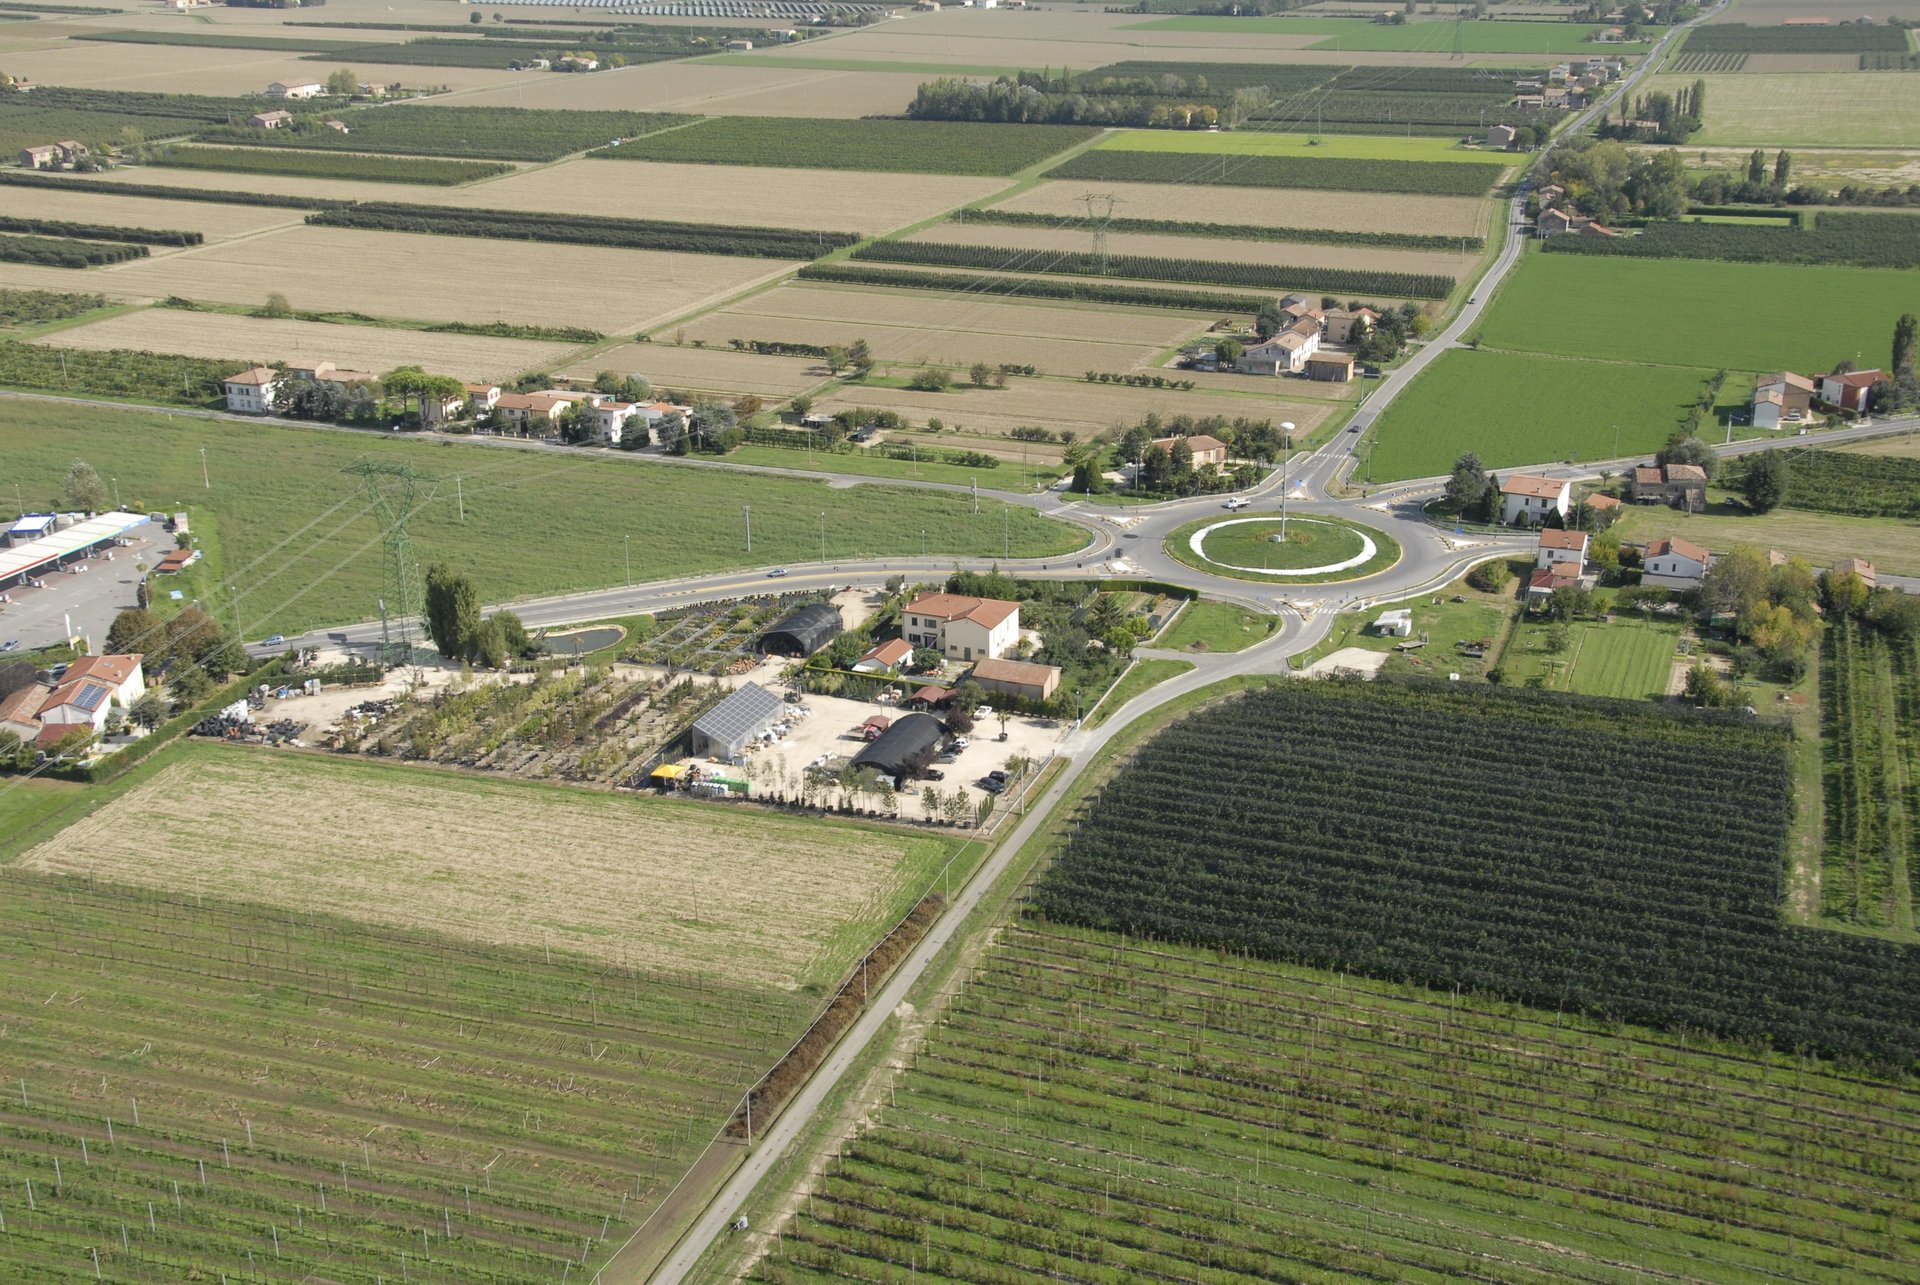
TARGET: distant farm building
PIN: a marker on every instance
(1018, 678)
(905, 748)
(724, 731)
(803, 632)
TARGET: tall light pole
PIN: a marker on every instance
(746, 511)
(1006, 532)
(204, 480)
(823, 535)
(627, 540)
(1286, 465)
(116, 492)
(1616, 441)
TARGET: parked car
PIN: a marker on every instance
(994, 782)
(12, 644)
(958, 743)
(933, 774)
(983, 711)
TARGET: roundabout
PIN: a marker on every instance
(1296, 550)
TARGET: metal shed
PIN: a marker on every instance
(903, 748)
(804, 632)
(724, 730)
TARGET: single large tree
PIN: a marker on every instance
(1782, 169)
(1468, 485)
(86, 489)
(1903, 343)
(1269, 321)
(135, 630)
(1685, 448)
(428, 393)
(1765, 482)
(1757, 168)
(453, 611)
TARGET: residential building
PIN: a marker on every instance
(740, 46)
(535, 412)
(1528, 500)
(337, 126)
(1500, 137)
(52, 156)
(287, 91)
(1332, 367)
(270, 120)
(251, 391)
(1848, 390)
(1285, 353)
(886, 658)
(962, 627)
(1342, 327)
(1684, 486)
(1869, 576)
(1601, 502)
(325, 372)
(1020, 679)
(610, 420)
(651, 413)
(1550, 194)
(90, 690)
(20, 711)
(1782, 398)
(482, 397)
(1558, 548)
(1544, 580)
(1208, 451)
(1555, 221)
(1675, 563)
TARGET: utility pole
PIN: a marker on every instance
(746, 511)
(205, 481)
(627, 541)
(1099, 218)
(1006, 532)
(823, 535)
(1286, 466)
(460, 497)
(116, 492)
(974, 482)
(392, 507)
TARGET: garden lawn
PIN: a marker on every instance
(1733, 316)
(1413, 37)
(1217, 626)
(1891, 544)
(1359, 147)
(1480, 617)
(300, 548)
(1514, 409)
(1628, 656)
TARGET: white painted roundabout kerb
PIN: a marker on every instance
(1368, 548)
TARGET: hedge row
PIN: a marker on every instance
(582, 229)
(1431, 178)
(1034, 288)
(27, 178)
(1215, 272)
(98, 231)
(1239, 231)
(50, 252)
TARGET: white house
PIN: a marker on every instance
(1285, 353)
(610, 420)
(963, 627)
(270, 120)
(1562, 549)
(1397, 623)
(251, 391)
(1528, 500)
(1500, 137)
(651, 413)
(886, 658)
(299, 89)
(482, 397)
(91, 689)
(1675, 564)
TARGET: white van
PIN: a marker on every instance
(1236, 503)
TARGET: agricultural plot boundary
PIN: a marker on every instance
(577, 229)
(483, 133)
(894, 146)
(371, 169)
(1432, 178)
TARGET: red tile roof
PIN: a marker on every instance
(1527, 484)
(1551, 539)
(1674, 544)
(1014, 671)
(985, 612)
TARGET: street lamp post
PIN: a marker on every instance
(627, 541)
(1286, 466)
(746, 511)
(116, 492)
(823, 535)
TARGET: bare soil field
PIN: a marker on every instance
(260, 339)
(1832, 169)
(1274, 207)
(213, 221)
(749, 195)
(955, 330)
(711, 89)
(289, 185)
(182, 69)
(736, 893)
(1770, 13)
(706, 370)
(434, 278)
(1064, 403)
(1078, 240)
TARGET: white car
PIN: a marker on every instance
(1236, 503)
(984, 711)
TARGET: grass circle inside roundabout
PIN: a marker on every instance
(1316, 550)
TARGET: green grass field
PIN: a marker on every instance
(301, 549)
(1252, 142)
(1802, 109)
(1101, 1108)
(1360, 34)
(1479, 617)
(1217, 626)
(1143, 675)
(1010, 476)
(1516, 409)
(1678, 312)
(1629, 656)
(1893, 545)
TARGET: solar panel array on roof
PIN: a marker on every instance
(728, 726)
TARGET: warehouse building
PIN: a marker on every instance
(724, 731)
(905, 748)
(803, 632)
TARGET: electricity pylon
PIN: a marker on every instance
(393, 489)
(1099, 217)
